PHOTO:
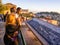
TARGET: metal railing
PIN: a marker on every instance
(21, 39)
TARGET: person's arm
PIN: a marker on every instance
(18, 21)
(16, 41)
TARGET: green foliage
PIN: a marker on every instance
(2, 8)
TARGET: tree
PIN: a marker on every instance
(2, 8)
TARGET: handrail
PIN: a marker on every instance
(24, 43)
(40, 38)
(22, 38)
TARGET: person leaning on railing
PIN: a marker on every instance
(19, 15)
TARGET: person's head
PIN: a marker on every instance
(11, 30)
(19, 10)
(13, 10)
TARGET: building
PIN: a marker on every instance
(25, 11)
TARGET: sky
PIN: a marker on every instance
(36, 5)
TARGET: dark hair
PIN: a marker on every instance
(12, 9)
(18, 8)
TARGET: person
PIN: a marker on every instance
(10, 37)
(5, 16)
(11, 19)
(19, 15)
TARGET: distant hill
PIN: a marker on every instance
(53, 13)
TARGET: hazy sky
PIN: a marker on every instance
(37, 5)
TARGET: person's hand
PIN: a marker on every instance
(15, 34)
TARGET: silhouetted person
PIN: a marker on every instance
(5, 16)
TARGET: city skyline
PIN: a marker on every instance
(36, 5)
